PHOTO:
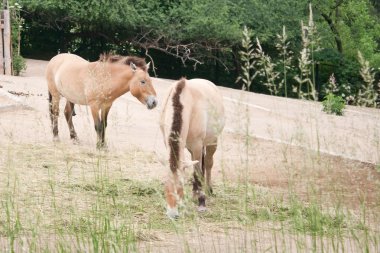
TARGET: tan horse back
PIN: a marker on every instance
(67, 75)
(203, 112)
(206, 119)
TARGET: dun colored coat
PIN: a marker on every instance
(192, 117)
(96, 84)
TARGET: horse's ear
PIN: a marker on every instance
(147, 66)
(133, 67)
(188, 164)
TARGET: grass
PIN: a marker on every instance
(54, 198)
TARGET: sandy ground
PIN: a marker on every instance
(292, 142)
(301, 123)
(287, 133)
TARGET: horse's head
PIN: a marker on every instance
(141, 84)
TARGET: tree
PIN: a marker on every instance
(182, 34)
(330, 11)
(353, 27)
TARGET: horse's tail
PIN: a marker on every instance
(175, 131)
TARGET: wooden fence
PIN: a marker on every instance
(5, 42)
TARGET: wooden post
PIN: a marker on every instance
(1, 44)
(7, 43)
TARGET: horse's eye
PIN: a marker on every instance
(142, 82)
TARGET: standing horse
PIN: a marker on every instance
(96, 84)
(193, 118)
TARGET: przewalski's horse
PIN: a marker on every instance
(192, 117)
(96, 84)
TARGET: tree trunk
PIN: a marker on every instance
(335, 31)
(216, 68)
(237, 69)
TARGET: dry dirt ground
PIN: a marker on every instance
(291, 143)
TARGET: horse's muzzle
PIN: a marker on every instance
(151, 102)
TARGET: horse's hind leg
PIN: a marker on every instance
(208, 163)
(69, 113)
(197, 154)
(54, 113)
(97, 123)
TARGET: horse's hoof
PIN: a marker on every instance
(75, 141)
(210, 192)
(102, 146)
(172, 213)
(202, 200)
(55, 139)
(202, 209)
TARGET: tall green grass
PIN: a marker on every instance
(84, 201)
(278, 76)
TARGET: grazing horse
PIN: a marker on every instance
(193, 118)
(96, 84)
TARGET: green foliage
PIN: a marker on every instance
(247, 60)
(267, 17)
(361, 31)
(356, 24)
(336, 97)
(285, 53)
(345, 72)
(267, 70)
(18, 64)
(207, 34)
(17, 23)
(190, 30)
(333, 104)
(305, 87)
(367, 94)
(212, 21)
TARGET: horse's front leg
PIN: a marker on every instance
(95, 111)
(104, 115)
(174, 193)
(100, 116)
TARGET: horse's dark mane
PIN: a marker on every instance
(113, 58)
(107, 57)
(174, 137)
(139, 62)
